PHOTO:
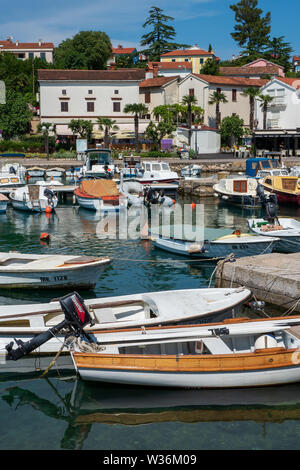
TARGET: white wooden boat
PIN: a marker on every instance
(14, 169)
(26, 271)
(36, 171)
(233, 354)
(215, 244)
(8, 180)
(156, 172)
(56, 172)
(191, 172)
(37, 197)
(286, 230)
(100, 195)
(3, 203)
(240, 191)
(121, 312)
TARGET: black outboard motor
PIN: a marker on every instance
(269, 205)
(76, 318)
(12, 170)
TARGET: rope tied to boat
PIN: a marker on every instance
(220, 267)
(84, 346)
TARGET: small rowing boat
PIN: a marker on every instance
(286, 230)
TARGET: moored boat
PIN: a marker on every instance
(232, 354)
(56, 172)
(240, 191)
(286, 188)
(27, 271)
(213, 246)
(100, 195)
(36, 171)
(286, 230)
(156, 172)
(35, 198)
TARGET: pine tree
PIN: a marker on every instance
(159, 40)
(252, 29)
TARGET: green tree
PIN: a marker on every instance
(279, 51)
(252, 29)
(232, 129)
(81, 127)
(157, 132)
(216, 98)
(15, 115)
(159, 39)
(211, 67)
(86, 50)
(189, 101)
(138, 110)
(107, 125)
(265, 100)
(252, 93)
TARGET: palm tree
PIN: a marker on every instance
(253, 93)
(189, 100)
(138, 109)
(107, 125)
(216, 98)
(265, 101)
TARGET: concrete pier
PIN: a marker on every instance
(273, 278)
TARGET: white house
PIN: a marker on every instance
(283, 116)
(88, 94)
(29, 50)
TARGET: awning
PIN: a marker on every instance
(63, 129)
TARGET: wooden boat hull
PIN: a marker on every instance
(238, 371)
(29, 207)
(84, 277)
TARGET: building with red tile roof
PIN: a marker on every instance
(194, 55)
(29, 50)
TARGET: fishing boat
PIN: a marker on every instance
(98, 164)
(190, 172)
(240, 191)
(286, 188)
(14, 169)
(260, 167)
(25, 322)
(3, 203)
(216, 244)
(8, 180)
(56, 172)
(36, 171)
(36, 198)
(286, 230)
(233, 354)
(100, 195)
(27, 271)
(156, 172)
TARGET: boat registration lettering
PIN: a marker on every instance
(219, 331)
(55, 278)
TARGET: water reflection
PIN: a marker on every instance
(83, 407)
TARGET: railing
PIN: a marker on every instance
(278, 101)
(273, 124)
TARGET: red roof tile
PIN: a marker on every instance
(239, 81)
(189, 52)
(294, 82)
(123, 50)
(170, 65)
(242, 71)
(157, 81)
(119, 74)
(25, 45)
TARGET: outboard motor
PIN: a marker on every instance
(50, 195)
(269, 204)
(76, 318)
(12, 170)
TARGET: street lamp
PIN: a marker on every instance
(196, 128)
(46, 129)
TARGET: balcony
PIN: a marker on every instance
(278, 101)
(273, 124)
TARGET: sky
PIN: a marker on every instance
(200, 22)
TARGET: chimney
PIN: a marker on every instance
(120, 46)
(17, 42)
(40, 42)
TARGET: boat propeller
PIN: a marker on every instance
(76, 318)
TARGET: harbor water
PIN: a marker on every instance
(59, 412)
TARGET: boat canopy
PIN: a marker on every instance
(253, 165)
(99, 188)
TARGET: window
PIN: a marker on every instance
(21, 56)
(186, 60)
(63, 92)
(240, 186)
(64, 106)
(147, 97)
(234, 95)
(31, 55)
(116, 92)
(43, 55)
(201, 61)
(116, 107)
(192, 92)
(90, 106)
(90, 92)
(173, 60)
(219, 90)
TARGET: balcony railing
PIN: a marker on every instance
(278, 101)
(273, 124)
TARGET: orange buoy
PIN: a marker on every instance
(45, 236)
(48, 210)
(193, 205)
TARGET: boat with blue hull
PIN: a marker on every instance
(3, 203)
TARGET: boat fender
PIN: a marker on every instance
(45, 236)
(265, 342)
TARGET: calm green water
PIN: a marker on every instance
(63, 413)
